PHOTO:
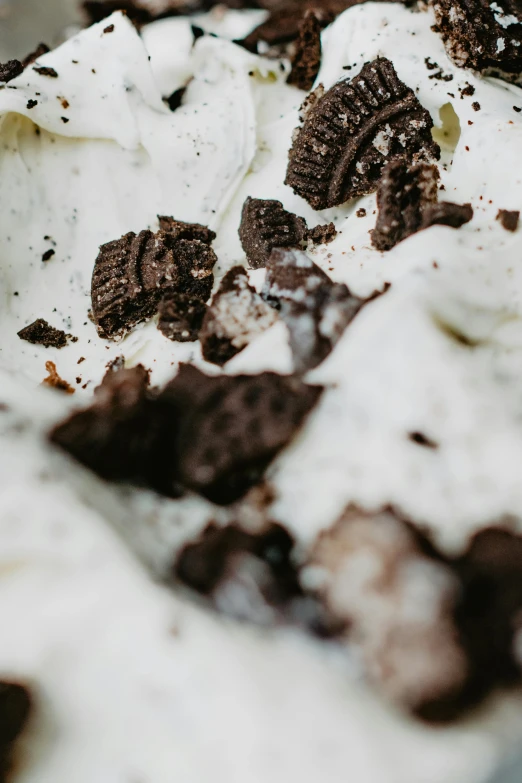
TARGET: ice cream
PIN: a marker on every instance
(421, 407)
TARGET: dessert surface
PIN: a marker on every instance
(272, 530)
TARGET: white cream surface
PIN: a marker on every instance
(135, 683)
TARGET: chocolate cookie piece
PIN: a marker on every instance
(236, 316)
(121, 298)
(350, 134)
(42, 333)
(482, 35)
(378, 573)
(508, 219)
(246, 575)
(489, 612)
(10, 70)
(180, 230)
(32, 57)
(181, 316)
(315, 309)
(16, 705)
(123, 435)
(45, 70)
(131, 275)
(266, 224)
(232, 427)
(407, 202)
(306, 61)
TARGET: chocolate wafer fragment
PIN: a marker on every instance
(266, 224)
(235, 317)
(508, 219)
(307, 58)
(10, 70)
(315, 309)
(45, 70)
(131, 275)
(231, 427)
(42, 333)
(16, 705)
(482, 35)
(407, 202)
(323, 234)
(350, 134)
(181, 316)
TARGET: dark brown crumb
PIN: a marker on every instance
(64, 119)
(422, 440)
(361, 213)
(175, 100)
(475, 106)
(42, 333)
(46, 71)
(48, 254)
(508, 219)
(109, 29)
(32, 57)
(65, 103)
(517, 108)
(16, 705)
(10, 70)
(468, 90)
(336, 156)
(307, 58)
(31, 104)
(323, 235)
(54, 380)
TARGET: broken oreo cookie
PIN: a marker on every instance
(407, 202)
(315, 309)
(352, 131)
(266, 224)
(482, 35)
(10, 70)
(231, 427)
(132, 274)
(42, 333)
(181, 316)
(307, 57)
(177, 229)
(236, 316)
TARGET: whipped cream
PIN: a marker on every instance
(136, 683)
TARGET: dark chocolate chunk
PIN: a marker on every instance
(508, 219)
(323, 235)
(121, 297)
(315, 309)
(181, 316)
(307, 57)
(481, 35)
(236, 316)
(180, 230)
(232, 427)
(16, 705)
(249, 576)
(42, 333)
(175, 100)
(46, 71)
(265, 224)
(350, 134)
(32, 57)
(407, 202)
(55, 381)
(10, 70)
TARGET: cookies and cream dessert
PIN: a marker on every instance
(261, 394)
